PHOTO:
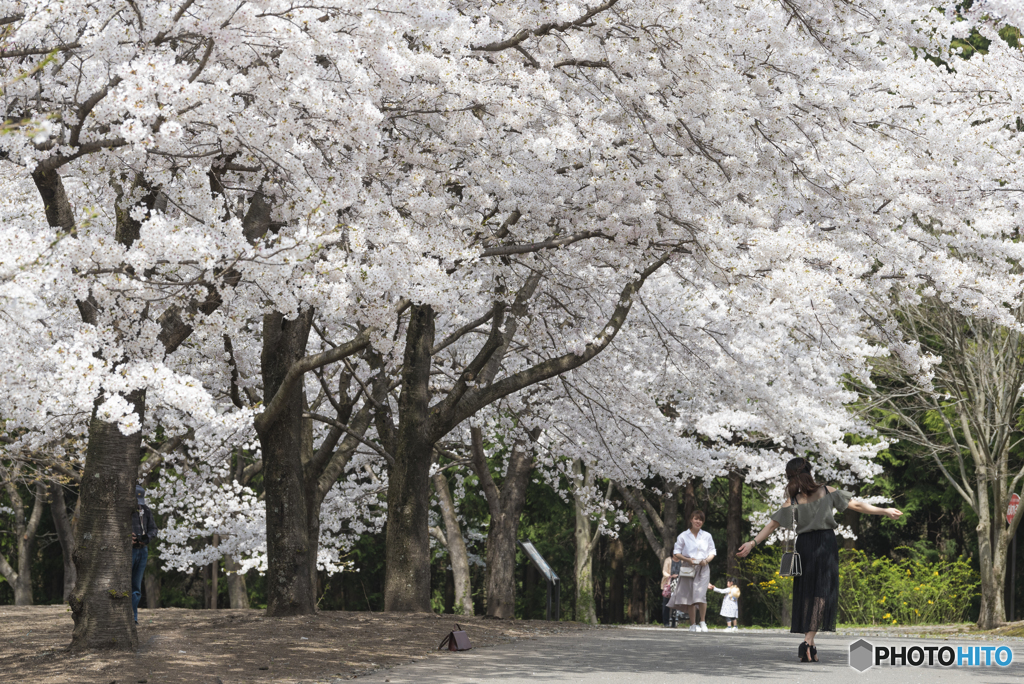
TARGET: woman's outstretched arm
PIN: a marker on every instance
(864, 507)
(765, 532)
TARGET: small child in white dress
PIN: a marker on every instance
(730, 605)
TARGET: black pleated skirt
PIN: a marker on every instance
(816, 591)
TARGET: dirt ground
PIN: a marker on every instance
(229, 646)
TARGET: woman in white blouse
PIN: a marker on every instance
(695, 548)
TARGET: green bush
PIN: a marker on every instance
(905, 591)
(872, 591)
(764, 588)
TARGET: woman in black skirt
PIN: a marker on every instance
(816, 591)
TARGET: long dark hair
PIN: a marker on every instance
(798, 470)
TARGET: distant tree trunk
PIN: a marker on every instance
(212, 579)
(290, 590)
(25, 530)
(851, 519)
(689, 503)
(670, 520)
(600, 588)
(463, 590)
(152, 583)
(407, 538)
(506, 507)
(586, 540)
(449, 592)
(314, 500)
(237, 593)
(65, 527)
(637, 604)
(238, 596)
(733, 522)
(101, 604)
(617, 581)
(530, 578)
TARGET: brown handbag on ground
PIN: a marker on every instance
(457, 640)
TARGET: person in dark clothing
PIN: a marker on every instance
(143, 531)
(809, 512)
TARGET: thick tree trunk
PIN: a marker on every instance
(617, 580)
(506, 507)
(459, 557)
(290, 554)
(65, 527)
(501, 568)
(407, 540)
(992, 563)
(237, 594)
(733, 522)
(101, 604)
(586, 609)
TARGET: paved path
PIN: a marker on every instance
(660, 656)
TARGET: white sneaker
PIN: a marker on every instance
(694, 628)
(703, 627)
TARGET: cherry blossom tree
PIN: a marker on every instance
(334, 235)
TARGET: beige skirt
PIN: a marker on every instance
(691, 590)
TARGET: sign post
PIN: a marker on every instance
(549, 575)
(1011, 512)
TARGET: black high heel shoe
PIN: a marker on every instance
(803, 652)
(814, 653)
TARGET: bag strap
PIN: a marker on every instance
(142, 518)
(794, 527)
(444, 642)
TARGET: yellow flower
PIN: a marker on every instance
(894, 622)
(929, 601)
(936, 574)
(887, 616)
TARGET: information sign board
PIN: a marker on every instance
(539, 561)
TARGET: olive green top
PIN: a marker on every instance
(814, 515)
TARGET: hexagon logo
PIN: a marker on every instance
(862, 655)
